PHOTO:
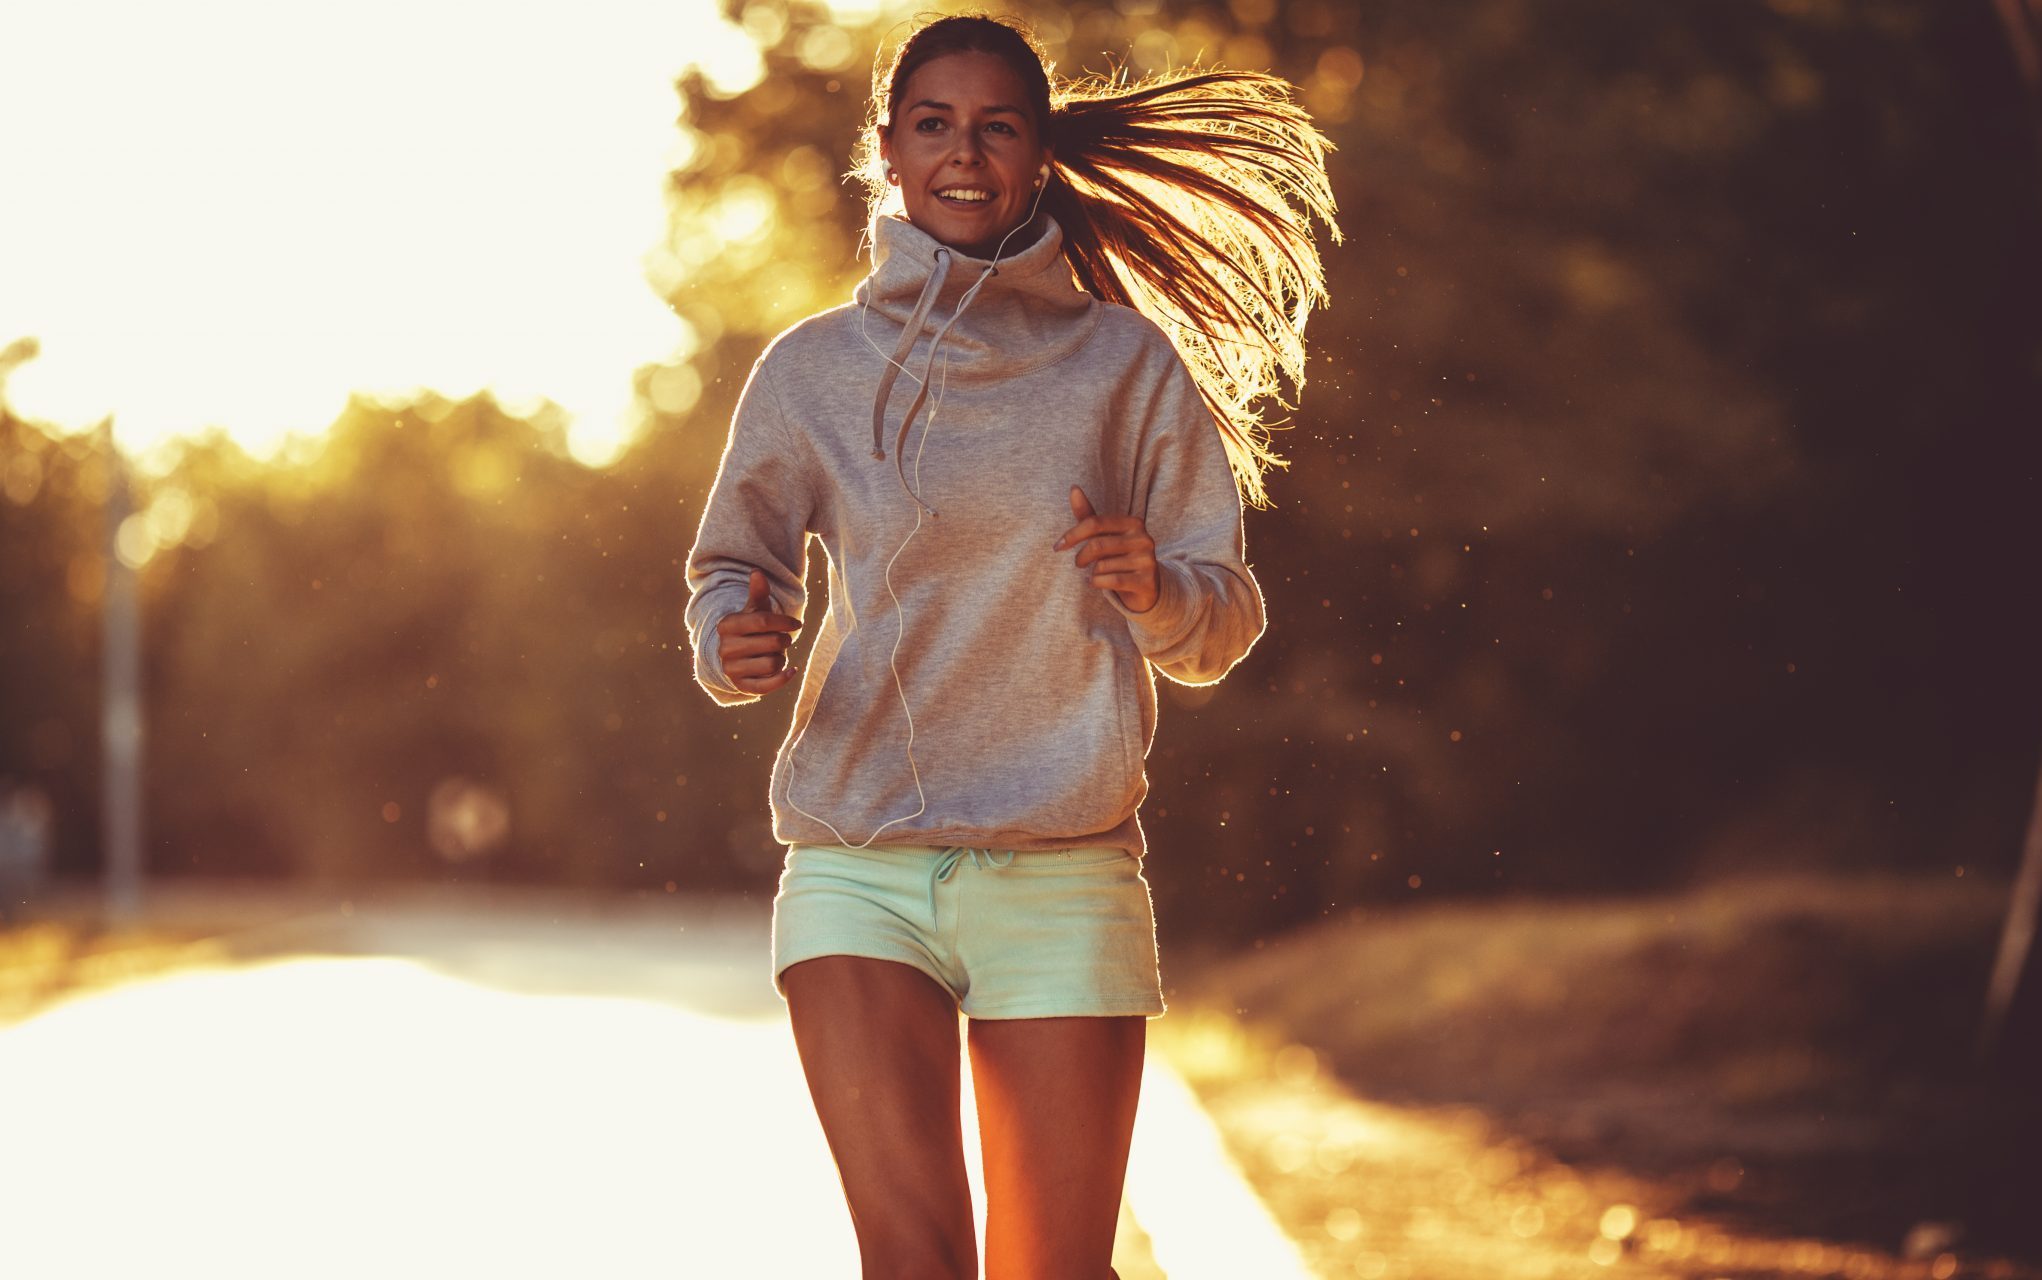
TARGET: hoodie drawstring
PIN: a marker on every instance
(948, 863)
(908, 334)
(923, 305)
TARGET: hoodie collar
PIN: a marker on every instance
(1029, 314)
(1027, 311)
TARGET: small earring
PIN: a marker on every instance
(892, 177)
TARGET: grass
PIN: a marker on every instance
(1811, 1034)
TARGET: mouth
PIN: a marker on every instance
(965, 197)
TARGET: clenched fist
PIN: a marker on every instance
(752, 643)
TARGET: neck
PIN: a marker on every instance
(1016, 238)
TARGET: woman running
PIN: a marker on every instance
(1025, 446)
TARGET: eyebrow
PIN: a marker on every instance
(944, 106)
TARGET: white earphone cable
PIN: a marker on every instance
(900, 612)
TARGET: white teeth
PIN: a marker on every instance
(965, 195)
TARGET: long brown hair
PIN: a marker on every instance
(1187, 196)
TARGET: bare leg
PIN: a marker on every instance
(878, 1043)
(1056, 1105)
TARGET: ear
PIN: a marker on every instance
(885, 145)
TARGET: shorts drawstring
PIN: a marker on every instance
(948, 863)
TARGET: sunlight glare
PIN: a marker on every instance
(234, 213)
(1189, 1193)
(371, 1116)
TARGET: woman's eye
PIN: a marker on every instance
(922, 125)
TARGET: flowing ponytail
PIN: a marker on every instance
(1186, 196)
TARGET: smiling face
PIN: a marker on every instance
(967, 150)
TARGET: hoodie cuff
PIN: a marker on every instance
(1163, 624)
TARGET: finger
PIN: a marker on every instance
(1132, 588)
(1081, 508)
(1091, 527)
(1110, 544)
(1133, 526)
(1135, 563)
(756, 597)
(1117, 581)
(756, 668)
(745, 624)
(757, 643)
(765, 684)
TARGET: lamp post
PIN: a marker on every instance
(121, 699)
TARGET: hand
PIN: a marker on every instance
(1122, 548)
(753, 642)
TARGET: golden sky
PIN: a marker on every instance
(235, 212)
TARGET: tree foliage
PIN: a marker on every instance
(1658, 500)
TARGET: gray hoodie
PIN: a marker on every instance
(967, 684)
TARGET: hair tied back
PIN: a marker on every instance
(1188, 196)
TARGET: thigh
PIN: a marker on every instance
(1066, 933)
(1056, 1105)
(878, 1044)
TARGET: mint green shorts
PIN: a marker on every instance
(1010, 934)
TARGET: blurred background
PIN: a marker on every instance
(1659, 540)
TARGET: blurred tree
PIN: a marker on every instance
(445, 594)
(2012, 1027)
(1651, 507)
(50, 577)
(1581, 581)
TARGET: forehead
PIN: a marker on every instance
(967, 80)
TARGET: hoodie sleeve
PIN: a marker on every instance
(1208, 612)
(757, 517)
